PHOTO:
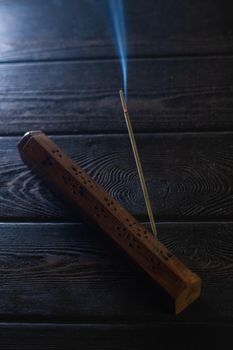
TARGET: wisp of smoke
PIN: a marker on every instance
(118, 16)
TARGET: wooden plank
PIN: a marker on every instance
(189, 176)
(47, 29)
(180, 94)
(66, 272)
(114, 337)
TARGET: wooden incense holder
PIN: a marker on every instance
(72, 184)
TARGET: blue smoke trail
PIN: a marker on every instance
(117, 11)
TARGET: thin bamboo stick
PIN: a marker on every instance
(139, 165)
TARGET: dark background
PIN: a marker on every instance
(63, 286)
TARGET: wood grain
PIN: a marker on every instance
(63, 76)
(189, 176)
(68, 273)
(170, 94)
(115, 337)
(51, 29)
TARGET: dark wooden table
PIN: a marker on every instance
(62, 286)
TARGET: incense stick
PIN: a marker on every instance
(139, 166)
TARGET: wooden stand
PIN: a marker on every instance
(72, 184)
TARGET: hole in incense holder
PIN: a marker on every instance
(82, 177)
(57, 153)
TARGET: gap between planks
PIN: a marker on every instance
(94, 59)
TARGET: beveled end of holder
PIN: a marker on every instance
(189, 294)
(26, 137)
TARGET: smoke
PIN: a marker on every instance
(118, 16)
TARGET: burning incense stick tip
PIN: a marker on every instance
(124, 106)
